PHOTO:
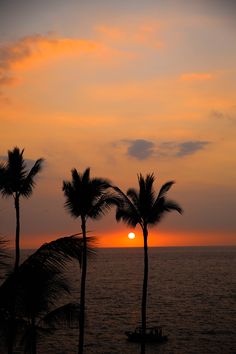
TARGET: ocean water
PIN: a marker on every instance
(191, 294)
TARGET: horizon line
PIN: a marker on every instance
(141, 247)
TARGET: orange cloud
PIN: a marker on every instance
(33, 51)
(196, 77)
(39, 48)
(146, 34)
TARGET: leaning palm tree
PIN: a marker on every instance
(86, 198)
(34, 291)
(17, 181)
(145, 208)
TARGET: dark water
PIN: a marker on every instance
(192, 295)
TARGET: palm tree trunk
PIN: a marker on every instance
(145, 284)
(17, 239)
(82, 288)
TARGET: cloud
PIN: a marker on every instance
(190, 147)
(196, 77)
(140, 149)
(222, 116)
(181, 149)
(34, 50)
(43, 47)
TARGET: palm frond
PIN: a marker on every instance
(160, 208)
(103, 205)
(171, 205)
(127, 216)
(100, 184)
(72, 203)
(132, 193)
(165, 188)
(57, 253)
(76, 179)
(28, 183)
(67, 314)
(85, 177)
(126, 209)
(39, 282)
(38, 290)
(146, 194)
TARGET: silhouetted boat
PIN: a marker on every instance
(153, 334)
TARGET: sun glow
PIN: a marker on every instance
(131, 235)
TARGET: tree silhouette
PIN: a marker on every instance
(145, 208)
(86, 198)
(17, 181)
(37, 286)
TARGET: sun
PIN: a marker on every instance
(131, 235)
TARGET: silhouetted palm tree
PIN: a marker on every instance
(145, 208)
(86, 198)
(17, 181)
(38, 284)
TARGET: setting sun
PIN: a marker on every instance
(131, 235)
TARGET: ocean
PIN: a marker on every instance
(191, 294)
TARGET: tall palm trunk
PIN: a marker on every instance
(82, 287)
(17, 239)
(145, 284)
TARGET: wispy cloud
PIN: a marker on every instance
(142, 149)
(181, 149)
(223, 116)
(190, 147)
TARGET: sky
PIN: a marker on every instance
(122, 87)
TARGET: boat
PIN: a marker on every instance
(153, 335)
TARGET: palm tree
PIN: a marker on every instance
(86, 198)
(145, 208)
(37, 286)
(17, 181)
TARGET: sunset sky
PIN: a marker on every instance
(123, 87)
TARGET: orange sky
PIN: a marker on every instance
(150, 90)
